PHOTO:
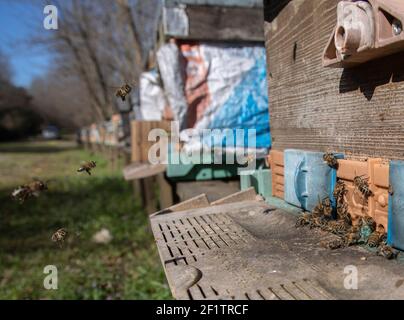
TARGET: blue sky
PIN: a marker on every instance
(19, 20)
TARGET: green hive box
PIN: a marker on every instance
(202, 167)
(260, 179)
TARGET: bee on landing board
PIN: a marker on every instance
(352, 238)
(320, 222)
(387, 251)
(362, 185)
(327, 207)
(333, 244)
(370, 222)
(339, 191)
(59, 236)
(377, 236)
(338, 227)
(303, 219)
(87, 166)
(318, 210)
(343, 213)
(26, 191)
(374, 239)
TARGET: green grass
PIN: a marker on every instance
(126, 268)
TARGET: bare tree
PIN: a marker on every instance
(101, 44)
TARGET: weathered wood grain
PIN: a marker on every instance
(139, 138)
(356, 111)
(224, 23)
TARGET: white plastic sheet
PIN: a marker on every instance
(152, 99)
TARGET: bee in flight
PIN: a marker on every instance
(26, 191)
(59, 236)
(87, 166)
(123, 91)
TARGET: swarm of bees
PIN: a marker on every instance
(87, 166)
(123, 91)
(364, 232)
(362, 185)
(29, 190)
(330, 159)
(59, 236)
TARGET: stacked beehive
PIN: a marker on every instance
(353, 111)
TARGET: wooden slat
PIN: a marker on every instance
(140, 132)
(244, 195)
(166, 191)
(142, 170)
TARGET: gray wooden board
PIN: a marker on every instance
(220, 23)
(135, 171)
(214, 189)
(355, 111)
(245, 251)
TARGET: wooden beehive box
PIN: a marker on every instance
(353, 111)
(139, 136)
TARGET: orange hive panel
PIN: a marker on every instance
(357, 203)
(379, 184)
(277, 169)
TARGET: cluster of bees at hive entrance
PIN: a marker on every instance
(338, 221)
(36, 187)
